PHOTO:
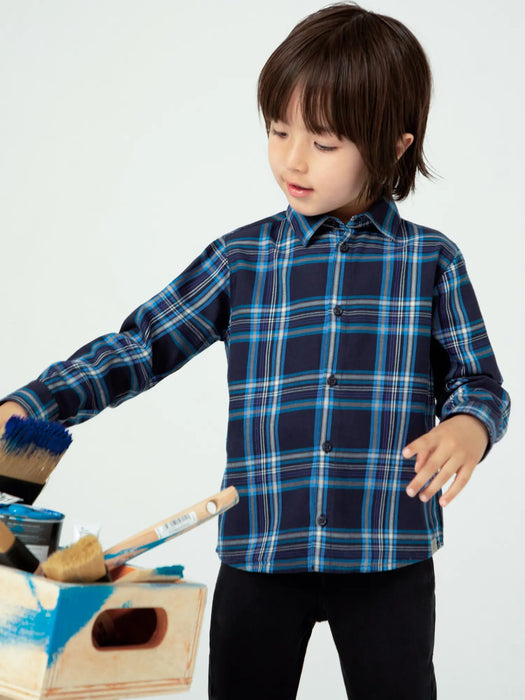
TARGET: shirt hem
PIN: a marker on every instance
(404, 557)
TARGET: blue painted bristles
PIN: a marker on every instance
(23, 433)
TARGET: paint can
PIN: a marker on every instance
(38, 528)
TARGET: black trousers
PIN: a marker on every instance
(382, 625)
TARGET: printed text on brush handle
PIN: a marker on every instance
(171, 527)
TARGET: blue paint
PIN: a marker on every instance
(128, 553)
(174, 570)
(32, 512)
(27, 433)
(52, 629)
(124, 555)
(28, 627)
(77, 605)
(33, 526)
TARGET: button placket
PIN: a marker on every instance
(330, 354)
(332, 379)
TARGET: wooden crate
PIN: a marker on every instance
(102, 640)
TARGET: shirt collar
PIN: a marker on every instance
(383, 215)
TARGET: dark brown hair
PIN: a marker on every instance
(362, 76)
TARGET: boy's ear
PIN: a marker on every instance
(403, 143)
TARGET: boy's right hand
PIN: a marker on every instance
(11, 408)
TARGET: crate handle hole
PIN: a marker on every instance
(129, 628)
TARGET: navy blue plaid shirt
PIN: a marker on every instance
(344, 342)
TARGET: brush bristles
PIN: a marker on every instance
(27, 433)
(82, 562)
(31, 449)
(34, 465)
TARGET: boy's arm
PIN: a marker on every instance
(470, 400)
(155, 340)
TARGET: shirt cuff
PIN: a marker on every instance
(37, 400)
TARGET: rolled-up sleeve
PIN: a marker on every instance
(155, 340)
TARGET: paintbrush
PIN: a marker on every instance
(86, 561)
(171, 527)
(29, 451)
(82, 562)
(14, 553)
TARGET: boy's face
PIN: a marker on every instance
(318, 173)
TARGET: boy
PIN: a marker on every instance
(348, 329)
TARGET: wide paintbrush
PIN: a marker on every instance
(29, 451)
(84, 560)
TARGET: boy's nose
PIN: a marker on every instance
(296, 159)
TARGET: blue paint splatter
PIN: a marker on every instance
(28, 627)
(126, 554)
(77, 605)
(52, 629)
(173, 570)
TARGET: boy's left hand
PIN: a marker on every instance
(455, 446)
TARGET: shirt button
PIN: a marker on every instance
(344, 247)
(338, 311)
(332, 380)
(321, 519)
(327, 446)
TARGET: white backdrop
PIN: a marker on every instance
(129, 139)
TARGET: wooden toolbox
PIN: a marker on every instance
(100, 640)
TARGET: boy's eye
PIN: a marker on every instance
(276, 132)
(324, 148)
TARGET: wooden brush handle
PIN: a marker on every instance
(170, 527)
(7, 539)
(14, 553)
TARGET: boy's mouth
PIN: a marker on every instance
(297, 190)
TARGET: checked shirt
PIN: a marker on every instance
(344, 343)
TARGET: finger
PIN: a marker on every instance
(462, 478)
(447, 471)
(432, 465)
(414, 448)
(421, 450)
